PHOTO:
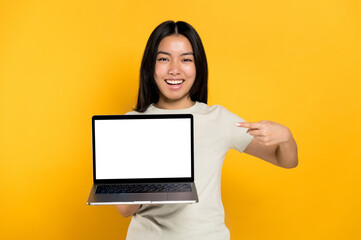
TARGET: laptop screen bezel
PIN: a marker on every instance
(143, 116)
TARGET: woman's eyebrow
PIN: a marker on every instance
(187, 53)
(167, 53)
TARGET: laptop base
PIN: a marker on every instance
(143, 198)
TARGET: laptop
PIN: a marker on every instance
(143, 159)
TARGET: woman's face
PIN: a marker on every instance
(175, 69)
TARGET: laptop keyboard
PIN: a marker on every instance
(142, 188)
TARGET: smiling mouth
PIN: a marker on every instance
(174, 82)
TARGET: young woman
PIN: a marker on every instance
(173, 79)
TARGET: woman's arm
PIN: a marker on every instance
(127, 210)
(272, 142)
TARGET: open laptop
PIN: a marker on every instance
(143, 159)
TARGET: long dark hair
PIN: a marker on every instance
(148, 91)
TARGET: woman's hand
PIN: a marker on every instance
(267, 132)
(272, 142)
(128, 210)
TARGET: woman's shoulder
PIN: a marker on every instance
(219, 111)
(211, 109)
(132, 113)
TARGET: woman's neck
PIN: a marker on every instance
(174, 105)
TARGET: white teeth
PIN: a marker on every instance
(174, 81)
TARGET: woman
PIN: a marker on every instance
(173, 79)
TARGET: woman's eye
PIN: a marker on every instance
(187, 60)
(162, 59)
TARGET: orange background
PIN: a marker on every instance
(294, 62)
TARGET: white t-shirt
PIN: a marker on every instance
(215, 133)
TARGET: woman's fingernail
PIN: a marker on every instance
(238, 124)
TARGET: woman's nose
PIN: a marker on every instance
(174, 68)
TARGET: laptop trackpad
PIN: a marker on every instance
(149, 197)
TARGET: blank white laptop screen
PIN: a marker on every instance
(142, 148)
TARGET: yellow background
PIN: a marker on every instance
(294, 62)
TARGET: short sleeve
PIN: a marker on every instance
(239, 138)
